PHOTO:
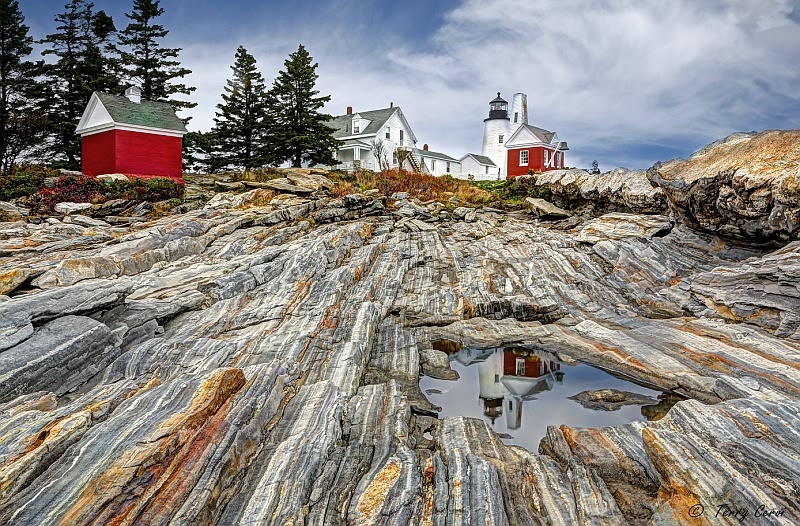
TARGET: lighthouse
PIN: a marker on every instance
(495, 132)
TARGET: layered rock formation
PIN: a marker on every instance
(258, 362)
(744, 187)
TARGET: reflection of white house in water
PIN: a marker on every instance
(508, 377)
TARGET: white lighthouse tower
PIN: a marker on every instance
(496, 130)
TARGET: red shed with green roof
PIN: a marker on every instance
(131, 136)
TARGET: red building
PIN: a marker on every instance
(532, 148)
(131, 136)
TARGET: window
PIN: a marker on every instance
(447, 168)
(433, 165)
(520, 366)
(388, 133)
(487, 170)
(500, 139)
(523, 157)
(509, 405)
(394, 157)
(545, 157)
(356, 128)
(401, 137)
(516, 117)
(497, 378)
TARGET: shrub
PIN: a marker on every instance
(24, 180)
(84, 189)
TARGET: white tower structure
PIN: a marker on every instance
(496, 131)
(519, 111)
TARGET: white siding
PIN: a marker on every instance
(492, 147)
(470, 166)
(440, 167)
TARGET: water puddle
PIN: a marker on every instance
(520, 391)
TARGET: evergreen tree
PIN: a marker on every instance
(146, 61)
(83, 46)
(20, 120)
(201, 152)
(297, 129)
(239, 128)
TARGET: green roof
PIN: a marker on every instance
(145, 113)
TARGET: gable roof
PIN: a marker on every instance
(377, 118)
(121, 110)
(542, 135)
(482, 159)
(436, 155)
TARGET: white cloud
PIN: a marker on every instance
(615, 79)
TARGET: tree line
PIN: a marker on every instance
(41, 101)
(255, 126)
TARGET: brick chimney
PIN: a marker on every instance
(349, 110)
(425, 147)
(391, 104)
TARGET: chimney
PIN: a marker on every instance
(391, 104)
(134, 94)
(425, 147)
(349, 110)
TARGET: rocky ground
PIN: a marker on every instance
(257, 361)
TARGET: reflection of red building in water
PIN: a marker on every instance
(509, 377)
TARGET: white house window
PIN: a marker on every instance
(516, 117)
(394, 157)
(487, 170)
(388, 133)
(433, 165)
(500, 139)
(448, 167)
(520, 367)
(545, 157)
(401, 137)
(356, 128)
(523, 157)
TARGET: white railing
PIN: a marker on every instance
(355, 165)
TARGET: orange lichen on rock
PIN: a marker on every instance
(371, 502)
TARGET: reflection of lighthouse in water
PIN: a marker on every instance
(508, 377)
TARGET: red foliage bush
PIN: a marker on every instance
(85, 189)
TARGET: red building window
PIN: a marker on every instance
(523, 157)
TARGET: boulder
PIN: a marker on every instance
(237, 185)
(618, 190)
(745, 187)
(542, 209)
(12, 211)
(113, 177)
(620, 226)
(610, 399)
(462, 211)
(257, 197)
(309, 180)
(71, 208)
(280, 185)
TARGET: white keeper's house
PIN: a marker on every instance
(357, 130)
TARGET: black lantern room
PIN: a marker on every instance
(498, 108)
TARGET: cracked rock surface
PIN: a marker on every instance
(251, 366)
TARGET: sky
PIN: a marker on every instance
(625, 82)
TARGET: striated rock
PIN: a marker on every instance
(299, 177)
(619, 226)
(279, 185)
(618, 190)
(261, 365)
(542, 209)
(13, 211)
(744, 187)
(610, 399)
(71, 208)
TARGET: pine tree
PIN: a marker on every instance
(146, 61)
(239, 128)
(20, 120)
(297, 129)
(83, 46)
